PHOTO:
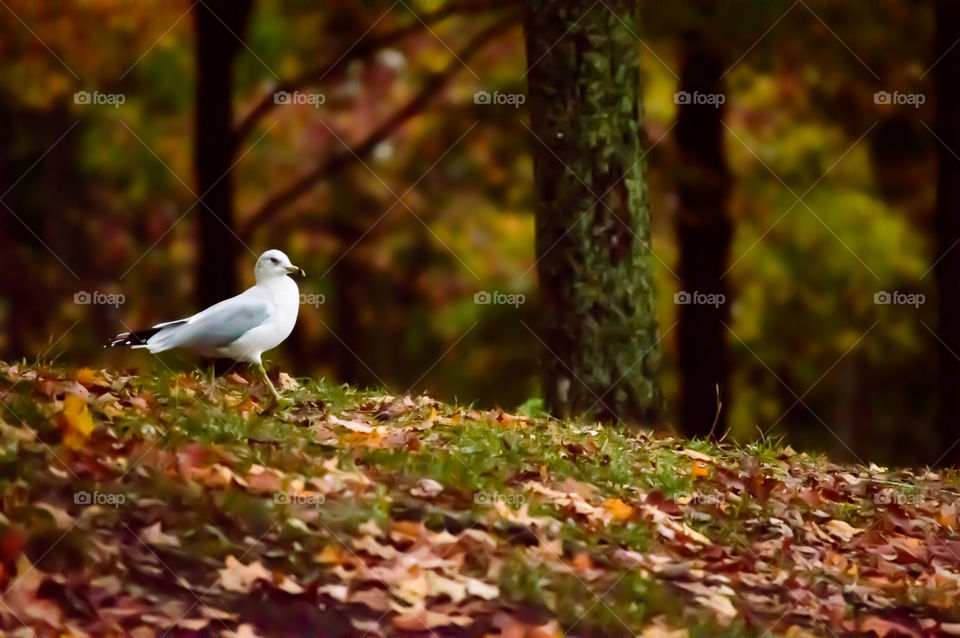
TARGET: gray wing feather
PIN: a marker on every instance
(217, 326)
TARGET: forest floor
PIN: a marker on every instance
(138, 505)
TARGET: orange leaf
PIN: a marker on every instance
(89, 379)
(330, 554)
(618, 508)
(371, 440)
(699, 468)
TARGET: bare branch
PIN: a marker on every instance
(347, 157)
(359, 50)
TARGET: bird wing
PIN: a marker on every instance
(218, 325)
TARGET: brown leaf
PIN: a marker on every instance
(286, 382)
(236, 576)
(842, 530)
(420, 619)
(21, 598)
(885, 628)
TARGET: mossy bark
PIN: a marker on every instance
(592, 218)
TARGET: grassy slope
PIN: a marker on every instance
(353, 511)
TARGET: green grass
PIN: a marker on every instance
(579, 502)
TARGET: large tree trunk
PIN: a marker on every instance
(594, 263)
(703, 232)
(219, 25)
(947, 221)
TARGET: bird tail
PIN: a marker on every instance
(134, 339)
(141, 338)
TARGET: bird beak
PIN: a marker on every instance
(293, 270)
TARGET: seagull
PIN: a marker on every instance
(240, 328)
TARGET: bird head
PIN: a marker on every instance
(274, 263)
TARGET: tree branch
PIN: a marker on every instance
(339, 161)
(359, 50)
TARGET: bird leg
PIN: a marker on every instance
(263, 373)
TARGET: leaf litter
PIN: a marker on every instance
(139, 505)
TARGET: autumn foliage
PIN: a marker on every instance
(135, 505)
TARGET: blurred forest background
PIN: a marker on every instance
(403, 195)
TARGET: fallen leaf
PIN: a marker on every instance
(618, 509)
(286, 382)
(89, 379)
(426, 488)
(153, 536)
(438, 585)
(842, 530)
(697, 456)
(22, 600)
(236, 576)
(356, 426)
(75, 421)
(420, 619)
(236, 378)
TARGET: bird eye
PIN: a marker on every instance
(274, 260)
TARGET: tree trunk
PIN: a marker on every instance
(704, 231)
(947, 222)
(219, 25)
(596, 282)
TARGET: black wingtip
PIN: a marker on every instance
(131, 339)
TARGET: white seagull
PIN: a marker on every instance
(240, 328)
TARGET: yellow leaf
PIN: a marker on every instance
(618, 508)
(76, 421)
